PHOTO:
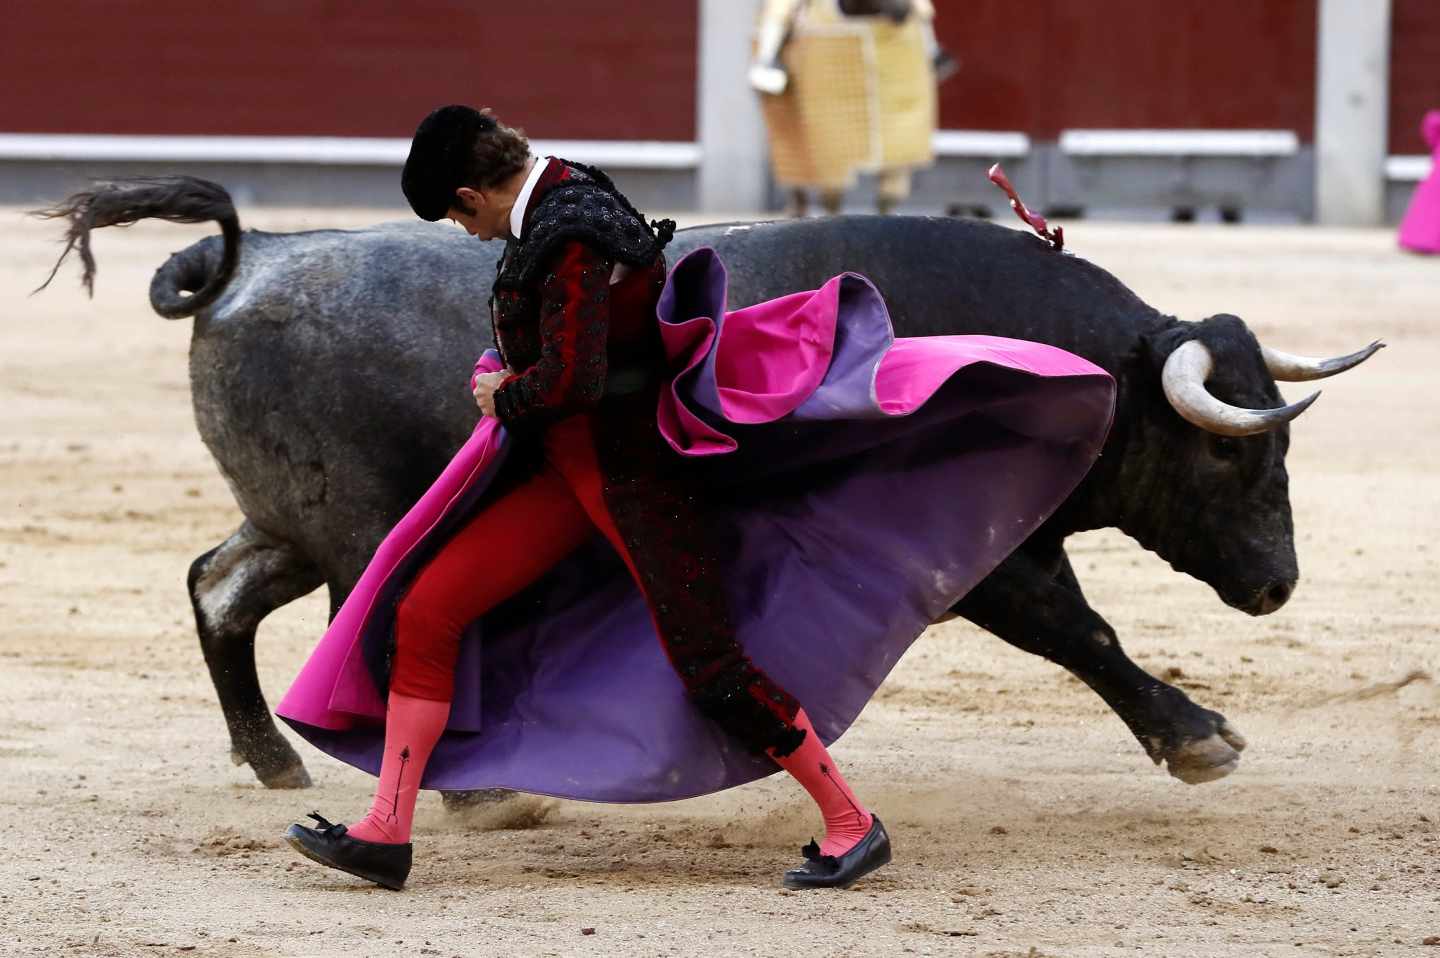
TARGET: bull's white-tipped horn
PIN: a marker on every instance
(1287, 368)
(1183, 379)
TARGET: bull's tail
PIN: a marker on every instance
(189, 281)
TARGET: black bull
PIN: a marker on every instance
(329, 374)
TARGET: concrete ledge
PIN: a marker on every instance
(957, 182)
(1207, 143)
(1232, 175)
(1402, 174)
(1407, 169)
(317, 150)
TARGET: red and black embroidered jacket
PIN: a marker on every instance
(572, 336)
(560, 323)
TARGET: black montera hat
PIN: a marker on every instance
(440, 156)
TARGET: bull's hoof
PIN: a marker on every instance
(1196, 744)
(293, 777)
(289, 772)
(1198, 761)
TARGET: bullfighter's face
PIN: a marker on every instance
(478, 213)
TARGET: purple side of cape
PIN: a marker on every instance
(925, 462)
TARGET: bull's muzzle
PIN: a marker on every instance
(1270, 598)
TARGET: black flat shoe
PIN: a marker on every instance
(828, 871)
(383, 863)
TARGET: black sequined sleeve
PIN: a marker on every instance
(574, 323)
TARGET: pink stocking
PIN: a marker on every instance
(412, 727)
(846, 820)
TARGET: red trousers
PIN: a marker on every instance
(508, 545)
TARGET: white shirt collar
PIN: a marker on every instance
(522, 199)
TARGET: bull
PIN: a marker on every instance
(328, 373)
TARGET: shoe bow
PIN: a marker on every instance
(326, 827)
(817, 861)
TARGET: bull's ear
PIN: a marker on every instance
(1222, 359)
(1225, 335)
(1157, 345)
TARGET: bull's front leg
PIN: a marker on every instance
(1035, 604)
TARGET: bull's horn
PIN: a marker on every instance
(1183, 379)
(1286, 368)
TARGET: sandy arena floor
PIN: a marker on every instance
(1027, 821)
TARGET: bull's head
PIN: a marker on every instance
(1206, 479)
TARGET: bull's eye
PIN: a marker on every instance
(1226, 447)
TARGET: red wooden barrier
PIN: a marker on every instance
(1042, 67)
(1414, 70)
(583, 69)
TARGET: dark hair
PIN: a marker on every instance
(459, 146)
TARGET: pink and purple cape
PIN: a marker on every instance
(865, 484)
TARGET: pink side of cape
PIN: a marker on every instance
(1420, 230)
(773, 355)
(316, 697)
(914, 369)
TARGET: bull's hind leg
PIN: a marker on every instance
(233, 587)
(1037, 606)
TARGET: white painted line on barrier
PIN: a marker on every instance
(1179, 142)
(1405, 168)
(986, 144)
